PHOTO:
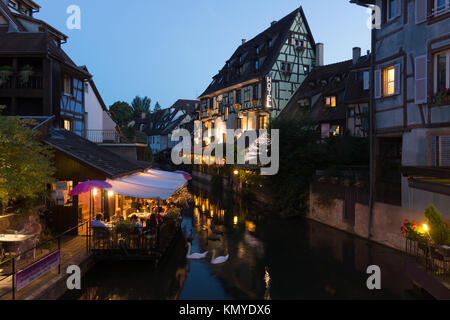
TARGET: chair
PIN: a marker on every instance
(101, 238)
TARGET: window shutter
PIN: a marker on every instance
(377, 84)
(420, 80)
(421, 10)
(397, 79)
(444, 148)
(398, 8)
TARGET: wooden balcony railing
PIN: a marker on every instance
(16, 82)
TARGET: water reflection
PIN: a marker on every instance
(269, 259)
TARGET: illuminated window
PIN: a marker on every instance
(389, 81)
(330, 101)
(440, 6)
(262, 123)
(238, 123)
(68, 125)
(225, 116)
(335, 130)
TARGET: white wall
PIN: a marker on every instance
(94, 113)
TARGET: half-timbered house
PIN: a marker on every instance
(259, 79)
(411, 123)
(335, 96)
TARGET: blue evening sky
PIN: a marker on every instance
(170, 49)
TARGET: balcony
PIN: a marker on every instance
(15, 82)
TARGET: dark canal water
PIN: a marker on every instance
(269, 259)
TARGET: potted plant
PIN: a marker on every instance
(174, 214)
(5, 73)
(442, 98)
(25, 73)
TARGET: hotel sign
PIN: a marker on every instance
(269, 91)
(36, 270)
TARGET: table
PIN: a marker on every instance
(140, 214)
(14, 240)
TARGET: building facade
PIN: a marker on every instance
(411, 122)
(335, 96)
(259, 79)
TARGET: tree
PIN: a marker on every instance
(300, 155)
(122, 113)
(157, 107)
(25, 163)
(141, 105)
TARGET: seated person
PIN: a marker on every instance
(134, 221)
(32, 227)
(97, 223)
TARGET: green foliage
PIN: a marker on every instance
(174, 213)
(25, 163)
(140, 105)
(347, 150)
(122, 113)
(5, 73)
(439, 231)
(300, 156)
(125, 228)
(148, 154)
(25, 73)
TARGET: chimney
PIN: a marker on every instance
(273, 22)
(356, 54)
(319, 54)
(244, 41)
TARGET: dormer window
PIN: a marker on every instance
(13, 4)
(256, 65)
(240, 59)
(25, 11)
(258, 51)
(270, 43)
(330, 101)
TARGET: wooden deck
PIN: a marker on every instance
(73, 252)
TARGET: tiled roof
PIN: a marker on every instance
(89, 153)
(277, 33)
(164, 121)
(337, 79)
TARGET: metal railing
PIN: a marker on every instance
(429, 256)
(114, 137)
(16, 82)
(11, 266)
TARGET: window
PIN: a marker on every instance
(389, 81)
(225, 115)
(306, 69)
(262, 123)
(439, 151)
(256, 65)
(67, 85)
(270, 43)
(238, 96)
(68, 125)
(442, 71)
(13, 4)
(335, 130)
(330, 101)
(391, 6)
(238, 123)
(240, 59)
(440, 6)
(26, 11)
(285, 67)
(258, 50)
(256, 92)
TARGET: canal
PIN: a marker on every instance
(270, 258)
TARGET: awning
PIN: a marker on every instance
(152, 184)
